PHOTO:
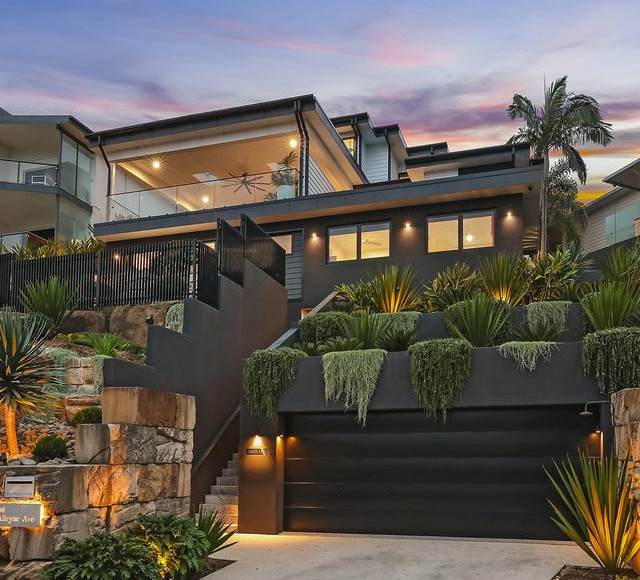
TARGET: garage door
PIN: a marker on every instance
(480, 474)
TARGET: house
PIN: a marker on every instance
(342, 196)
(615, 216)
(46, 179)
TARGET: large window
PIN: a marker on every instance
(359, 242)
(76, 169)
(460, 231)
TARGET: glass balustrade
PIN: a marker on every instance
(28, 172)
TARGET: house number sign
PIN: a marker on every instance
(20, 514)
(255, 451)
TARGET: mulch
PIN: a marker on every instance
(213, 565)
(82, 350)
(589, 573)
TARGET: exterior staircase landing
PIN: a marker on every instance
(224, 495)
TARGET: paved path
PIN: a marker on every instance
(352, 557)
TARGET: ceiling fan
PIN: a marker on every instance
(249, 182)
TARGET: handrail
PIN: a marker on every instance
(217, 436)
(321, 305)
(25, 161)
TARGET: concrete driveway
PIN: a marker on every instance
(292, 556)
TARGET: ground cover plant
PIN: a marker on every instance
(87, 415)
(549, 313)
(527, 354)
(323, 326)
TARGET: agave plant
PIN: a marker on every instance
(366, 329)
(478, 320)
(393, 290)
(623, 265)
(553, 275)
(51, 298)
(506, 277)
(23, 371)
(456, 283)
(217, 529)
(596, 509)
(611, 305)
(537, 331)
(339, 344)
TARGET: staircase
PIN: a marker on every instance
(224, 494)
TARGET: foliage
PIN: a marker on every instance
(393, 290)
(611, 356)
(103, 557)
(406, 321)
(354, 296)
(309, 348)
(478, 320)
(506, 277)
(552, 275)
(551, 313)
(340, 344)
(87, 415)
(318, 328)
(623, 265)
(266, 375)
(527, 354)
(53, 248)
(566, 213)
(51, 298)
(174, 318)
(596, 509)
(216, 528)
(439, 370)
(49, 447)
(537, 331)
(452, 285)
(177, 545)
(398, 340)
(98, 371)
(285, 174)
(60, 357)
(611, 305)
(367, 329)
(107, 344)
(354, 376)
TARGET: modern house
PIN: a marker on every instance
(615, 217)
(46, 179)
(342, 196)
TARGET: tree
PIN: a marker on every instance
(565, 212)
(23, 370)
(563, 121)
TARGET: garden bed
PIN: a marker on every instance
(590, 573)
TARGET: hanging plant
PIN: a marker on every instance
(266, 375)
(439, 370)
(611, 357)
(352, 375)
(552, 313)
(527, 354)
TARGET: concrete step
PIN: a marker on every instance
(231, 519)
(235, 457)
(224, 490)
(226, 472)
(227, 480)
(223, 510)
(212, 499)
(233, 464)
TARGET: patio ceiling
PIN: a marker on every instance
(20, 214)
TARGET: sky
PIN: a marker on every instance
(442, 70)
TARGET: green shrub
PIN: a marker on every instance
(107, 344)
(622, 265)
(318, 328)
(49, 447)
(340, 344)
(406, 321)
(479, 320)
(177, 545)
(309, 348)
(527, 354)
(51, 298)
(87, 415)
(611, 305)
(217, 530)
(60, 357)
(393, 290)
(353, 376)
(611, 357)
(553, 275)
(367, 329)
(551, 313)
(439, 370)
(455, 284)
(53, 248)
(101, 557)
(266, 375)
(506, 277)
(355, 296)
(398, 340)
(537, 331)
(174, 318)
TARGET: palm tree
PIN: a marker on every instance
(565, 212)
(23, 370)
(564, 120)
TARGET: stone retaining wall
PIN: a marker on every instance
(137, 461)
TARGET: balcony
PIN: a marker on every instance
(205, 194)
(20, 240)
(28, 172)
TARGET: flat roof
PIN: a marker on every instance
(437, 158)
(628, 176)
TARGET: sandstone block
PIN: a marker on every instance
(23, 570)
(184, 480)
(74, 376)
(625, 406)
(85, 321)
(179, 506)
(160, 481)
(63, 488)
(186, 412)
(121, 516)
(130, 321)
(111, 484)
(93, 443)
(31, 543)
(115, 444)
(174, 445)
(4, 545)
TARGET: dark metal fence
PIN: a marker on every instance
(230, 246)
(262, 250)
(208, 281)
(6, 261)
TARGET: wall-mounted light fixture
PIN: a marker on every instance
(293, 143)
(314, 235)
(509, 214)
(407, 225)
(586, 413)
(155, 164)
(116, 256)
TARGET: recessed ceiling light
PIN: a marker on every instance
(469, 237)
(205, 199)
(293, 143)
(155, 164)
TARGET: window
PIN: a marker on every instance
(359, 242)
(285, 241)
(350, 144)
(466, 231)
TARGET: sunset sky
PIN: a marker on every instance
(445, 71)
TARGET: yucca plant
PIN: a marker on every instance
(611, 305)
(51, 298)
(478, 320)
(553, 275)
(107, 344)
(454, 284)
(23, 370)
(506, 277)
(339, 344)
(623, 265)
(596, 510)
(393, 290)
(398, 340)
(537, 331)
(366, 329)
(217, 529)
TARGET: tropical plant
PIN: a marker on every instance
(563, 121)
(216, 528)
(536, 331)
(309, 348)
(398, 340)
(23, 370)
(439, 370)
(406, 321)
(318, 328)
(552, 275)
(506, 277)
(50, 298)
(340, 344)
(393, 290)
(285, 173)
(100, 557)
(456, 283)
(353, 376)
(53, 248)
(49, 447)
(623, 265)
(107, 344)
(367, 329)
(611, 305)
(611, 357)
(479, 320)
(551, 313)
(527, 354)
(87, 415)
(596, 509)
(177, 545)
(266, 375)
(354, 296)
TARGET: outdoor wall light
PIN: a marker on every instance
(407, 225)
(155, 164)
(116, 256)
(509, 214)
(205, 199)
(293, 143)
(314, 235)
(585, 412)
